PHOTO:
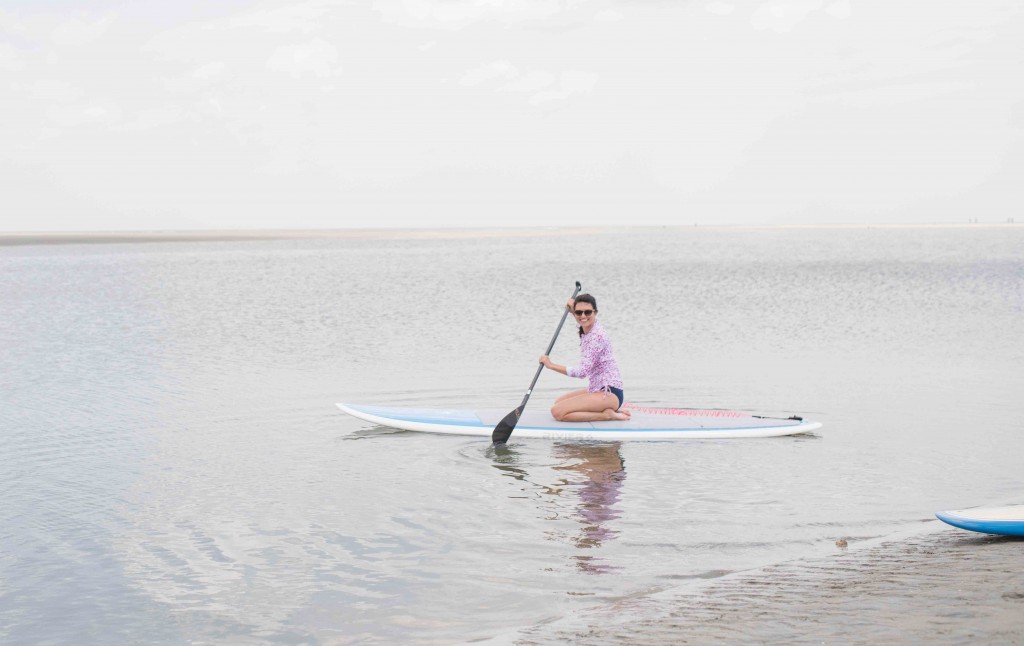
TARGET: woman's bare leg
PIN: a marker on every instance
(588, 407)
(570, 394)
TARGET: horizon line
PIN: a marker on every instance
(185, 235)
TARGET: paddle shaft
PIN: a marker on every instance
(551, 345)
(504, 429)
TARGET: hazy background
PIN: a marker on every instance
(319, 114)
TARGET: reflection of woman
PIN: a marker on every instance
(602, 466)
(603, 397)
(603, 473)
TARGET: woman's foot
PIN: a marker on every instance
(620, 415)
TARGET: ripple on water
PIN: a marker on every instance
(174, 467)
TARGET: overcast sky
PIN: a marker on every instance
(188, 114)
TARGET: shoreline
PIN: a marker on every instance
(930, 584)
(12, 238)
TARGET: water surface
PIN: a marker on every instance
(174, 468)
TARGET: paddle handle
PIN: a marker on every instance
(551, 345)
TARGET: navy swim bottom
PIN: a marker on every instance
(618, 393)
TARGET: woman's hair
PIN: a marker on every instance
(585, 298)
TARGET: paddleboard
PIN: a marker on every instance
(1005, 521)
(646, 424)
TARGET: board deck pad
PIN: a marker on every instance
(646, 423)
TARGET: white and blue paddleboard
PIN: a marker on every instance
(646, 424)
(1005, 521)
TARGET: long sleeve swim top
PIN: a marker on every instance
(597, 361)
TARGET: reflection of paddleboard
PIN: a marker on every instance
(1008, 521)
(646, 424)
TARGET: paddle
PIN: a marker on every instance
(504, 429)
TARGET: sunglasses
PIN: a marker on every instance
(584, 312)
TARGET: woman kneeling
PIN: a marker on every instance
(602, 399)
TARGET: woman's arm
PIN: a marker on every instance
(551, 365)
(546, 360)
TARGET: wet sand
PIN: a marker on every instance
(944, 586)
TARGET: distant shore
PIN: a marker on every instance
(107, 237)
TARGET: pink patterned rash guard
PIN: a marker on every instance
(597, 361)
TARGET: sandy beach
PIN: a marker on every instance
(940, 586)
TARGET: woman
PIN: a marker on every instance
(602, 399)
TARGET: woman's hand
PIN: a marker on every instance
(570, 304)
(551, 365)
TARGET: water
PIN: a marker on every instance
(174, 470)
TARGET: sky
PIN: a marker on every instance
(315, 114)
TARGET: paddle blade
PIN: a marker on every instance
(504, 429)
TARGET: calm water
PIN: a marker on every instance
(173, 469)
